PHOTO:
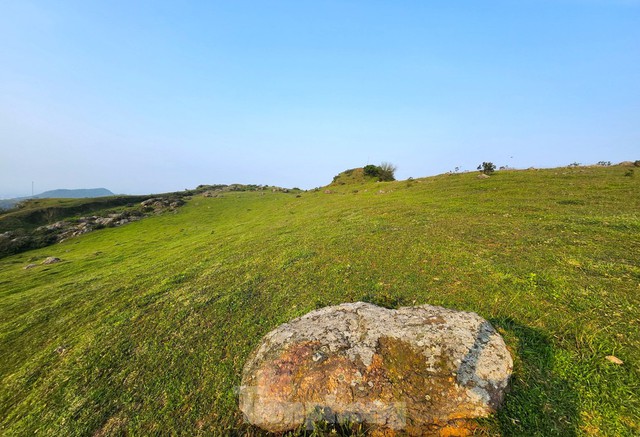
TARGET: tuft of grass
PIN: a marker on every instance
(144, 329)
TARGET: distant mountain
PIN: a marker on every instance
(58, 194)
(74, 194)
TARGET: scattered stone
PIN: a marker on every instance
(51, 260)
(53, 227)
(30, 266)
(105, 221)
(159, 204)
(328, 191)
(149, 202)
(61, 349)
(614, 359)
(483, 176)
(417, 369)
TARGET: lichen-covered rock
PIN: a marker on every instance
(415, 369)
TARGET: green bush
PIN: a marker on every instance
(487, 167)
(383, 172)
(372, 170)
(387, 171)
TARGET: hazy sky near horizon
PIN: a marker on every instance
(155, 96)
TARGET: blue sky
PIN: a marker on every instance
(153, 96)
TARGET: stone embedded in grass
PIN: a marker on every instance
(614, 359)
(417, 369)
(51, 260)
(30, 266)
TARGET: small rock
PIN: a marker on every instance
(614, 359)
(105, 221)
(483, 176)
(51, 260)
(30, 266)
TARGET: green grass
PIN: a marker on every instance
(144, 329)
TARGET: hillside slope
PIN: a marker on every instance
(145, 328)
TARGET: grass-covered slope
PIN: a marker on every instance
(145, 328)
(38, 212)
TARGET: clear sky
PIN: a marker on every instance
(153, 96)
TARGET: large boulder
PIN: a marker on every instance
(417, 369)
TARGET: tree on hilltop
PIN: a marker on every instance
(487, 167)
(383, 172)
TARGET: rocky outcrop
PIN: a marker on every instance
(51, 260)
(158, 204)
(64, 230)
(416, 369)
(18, 240)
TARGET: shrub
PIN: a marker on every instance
(487, 167)
(372, 170)
(387, 171)
(382, 172)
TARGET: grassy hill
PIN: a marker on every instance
(144, 329)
